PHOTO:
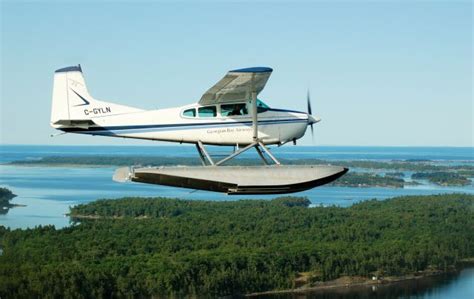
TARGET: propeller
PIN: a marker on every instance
(311, 119)
(308, 103)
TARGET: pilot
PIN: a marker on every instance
(236, 110)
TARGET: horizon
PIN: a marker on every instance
(391, 73)
(217, 146)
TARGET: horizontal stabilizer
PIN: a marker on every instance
(78, 123)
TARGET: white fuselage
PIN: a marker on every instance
(275, 126)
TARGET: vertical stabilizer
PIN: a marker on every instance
(72, 101)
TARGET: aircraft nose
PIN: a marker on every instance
(313, 119)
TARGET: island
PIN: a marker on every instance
(162, 247)
(364, 179)
(442, 178)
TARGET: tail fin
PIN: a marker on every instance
(73, 105)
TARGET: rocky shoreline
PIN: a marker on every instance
(352, 282)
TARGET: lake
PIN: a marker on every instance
(48, 192)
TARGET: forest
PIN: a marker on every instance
(143, 247)
(365, 179)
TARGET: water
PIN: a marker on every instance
(452, 285)
(458, 154)
(48, 192)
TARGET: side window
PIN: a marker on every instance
(209, 111)
(261, 107)
(234, 109)
(189, 113)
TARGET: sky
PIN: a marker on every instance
(391, 73)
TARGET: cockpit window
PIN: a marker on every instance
(261, 106)
(234, 109)
(209, 111)
(189, 113)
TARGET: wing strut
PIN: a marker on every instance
(253, 92)
(257, 143)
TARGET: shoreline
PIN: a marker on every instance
(96, 217)
(352, 282)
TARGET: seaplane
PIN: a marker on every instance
(227, 114)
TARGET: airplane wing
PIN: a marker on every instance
(237, 85)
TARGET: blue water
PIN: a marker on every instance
(48, 192)
(18, 152)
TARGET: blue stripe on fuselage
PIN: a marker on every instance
(285, 110)
(112, 130)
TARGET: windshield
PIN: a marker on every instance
(261, 106)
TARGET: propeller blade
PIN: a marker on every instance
(308, 101)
